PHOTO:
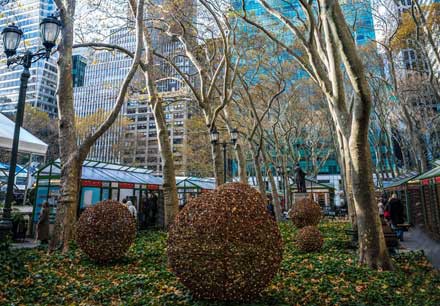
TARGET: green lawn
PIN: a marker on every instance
(330, 277)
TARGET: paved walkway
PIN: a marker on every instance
(415, 239)
(27, 244)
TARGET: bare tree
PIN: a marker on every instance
(72, 155)
(209, 46)
(325, 43)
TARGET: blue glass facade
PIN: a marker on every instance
(359, 17)
(27, 14)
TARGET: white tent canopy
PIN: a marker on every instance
(28, 142)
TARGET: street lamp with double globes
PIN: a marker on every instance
(215, 136)
(11, 37)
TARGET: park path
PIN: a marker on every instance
(27, 244)
(416, 239)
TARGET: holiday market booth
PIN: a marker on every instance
(407, 189)
(421, 196)
(191, 187)
(99, 181)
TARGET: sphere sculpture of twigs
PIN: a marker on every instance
(105, 231)
(224, 245)
(305, 212)
(309, 239)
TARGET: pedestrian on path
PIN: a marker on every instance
(132, 209)
(381, 208)
(43, 224)
(397, 215)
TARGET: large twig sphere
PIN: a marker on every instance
(105, 231)
(224, 245)
(305, 212)
(309, 239)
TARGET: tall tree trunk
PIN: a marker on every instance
(348, 185)
(67, 207)
(273, 187)
(217, 161)
(344, 162)
(372, 247)
(241, 161)
(70, 161)
(258, 174)
(391, 157)
(171, 201)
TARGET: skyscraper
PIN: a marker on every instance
(79, 64)
(135, 143)
(27, 14)
(358, 15)
(359, 18)
(104, 73)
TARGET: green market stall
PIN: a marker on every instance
(99, 181)
(407, 189)
(428, 209)
(421, 196)
(189, 187)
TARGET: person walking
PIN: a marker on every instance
(154, 207)
(397, 215)
(381, 208)
(271, 209)
(43, 224)
(132, 209)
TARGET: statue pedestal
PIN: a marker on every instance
(299, 196)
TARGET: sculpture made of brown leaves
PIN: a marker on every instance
(305, 212)
(224, 245)
(105, 231)
(309, 239)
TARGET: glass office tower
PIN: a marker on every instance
(27, 14)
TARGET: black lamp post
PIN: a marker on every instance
(215, 136)
(50, 29)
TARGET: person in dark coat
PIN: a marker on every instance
(154, 207)
(271, 209)
(397, 215)
(300, 179)
(43, 224)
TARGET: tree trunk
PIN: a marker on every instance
(273, 187)
(70, 161)
(171, 201)
(348, 186)
(372, 247)
(258, 174)
(217, 160)
(241, 160)
(67, 207)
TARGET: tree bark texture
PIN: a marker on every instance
(273, 187)
(217, 162)
(241, 161)
(372, 247)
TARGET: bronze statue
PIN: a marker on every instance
(300, 179)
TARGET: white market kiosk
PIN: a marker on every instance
(28, 143)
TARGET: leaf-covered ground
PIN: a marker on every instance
(330, 277)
